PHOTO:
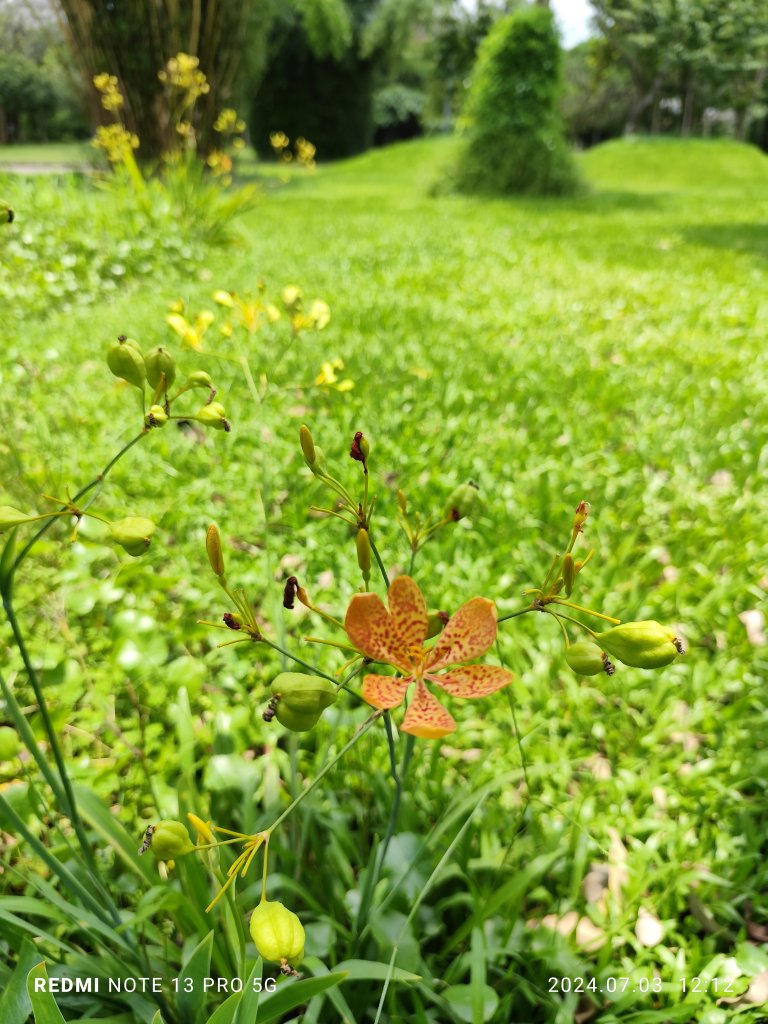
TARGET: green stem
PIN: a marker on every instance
(514, 615)
(518, 738)
(379, 562)
(80, 494)
(312, 668)
(587, 611)
(321, 774)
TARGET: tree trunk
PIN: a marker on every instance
(686, 126)
(641, 104)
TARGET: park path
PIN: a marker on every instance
(41, 168)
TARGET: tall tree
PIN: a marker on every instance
(135, 40)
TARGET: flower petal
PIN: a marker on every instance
(426, 717)
(469, 633)
(370, 629)
(385, 691)
(408, 611)
(473, 680)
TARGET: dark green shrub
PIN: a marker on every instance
(515, 140)
(398, 112)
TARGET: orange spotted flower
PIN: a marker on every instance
(396, 637)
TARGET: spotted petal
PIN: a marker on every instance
(408, 611)
(385, 691)
(370, 628)
(473, 680)
(469, 633)
(426, 717)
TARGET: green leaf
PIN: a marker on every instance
(43, 1004)
(291, 994)
(99, 817)
(197, 967)
(14, 1002)
(374, 970)
(225, 1014)
(462, 1001)
(249, 1005)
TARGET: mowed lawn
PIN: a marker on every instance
(610, 348)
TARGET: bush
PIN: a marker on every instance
(398, 111)
(515, 140)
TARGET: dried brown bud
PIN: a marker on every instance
(232, 621)
(290, 591)
(360, 449)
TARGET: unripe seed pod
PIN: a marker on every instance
(213, 415)
(170, 839)
(213, 547)
(156, 417)
(363, 543)
(301, 699)
(278, 933)
(9, 743)
(159, 362)
(307, 446)
(126, 361)
(199, 379)
(461, 501)
(585, 658)
(645, 644)
(133, 534)
(436, 623)
(569, 573)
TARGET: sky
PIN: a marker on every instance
(573, 17)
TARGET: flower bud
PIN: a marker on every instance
(10, 517)
(292, 299)
(580, 517)
(461, 501)
(160, 363)
(363, 543)
(170, 839)
(278, 933)
(199, 379)
(402, 502)
(213, 415)
(9, 743)
(133, 534)
(307, 446)
(645, 644)
(569, 573)
(301, 699)
(126, 361)
(156, 417)
(585, 658)
(213, 547)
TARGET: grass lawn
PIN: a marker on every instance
(608, 348)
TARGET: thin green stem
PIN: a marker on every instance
(518, 738)
(324, 771)
(312, 668)
(587, 611)
(514, 615)
(379, 562)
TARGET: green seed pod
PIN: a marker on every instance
(199, 379)
(278, 933)
(213, 547)
(402, 502)
(569, 573)
(10, 517)
(307, 446)
(301, 699)
(213, 415)
(645, 644)
(461, 501)
(436, 623)
(126, 361)
(133, 534)
(9, 743)
(585, 658)
(156, 417)
(170, 839)
(159, 362)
